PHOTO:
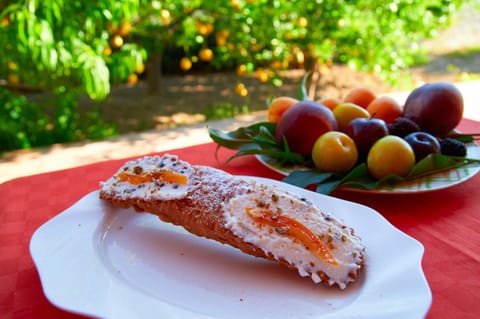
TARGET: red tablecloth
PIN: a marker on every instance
(446, 222)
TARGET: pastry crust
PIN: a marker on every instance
(211, 204)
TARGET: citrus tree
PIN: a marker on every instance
(64, 49)
(70, 48)
(265, 36)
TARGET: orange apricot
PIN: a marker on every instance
(278, 106)
(361, 96)
(385, 108)
(330, 102)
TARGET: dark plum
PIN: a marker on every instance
(422, 144)
(365, 132)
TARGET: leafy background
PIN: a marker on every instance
(61, 59)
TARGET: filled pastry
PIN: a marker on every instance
(259, 219)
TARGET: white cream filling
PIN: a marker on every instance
(346, 249)
(156, 189)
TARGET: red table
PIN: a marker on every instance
(446, 222)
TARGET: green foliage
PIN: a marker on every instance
(378, 36)
(25, 123)
(220, 111)
(19, 119)
(71, 47)
(63, 48)
(60, 43)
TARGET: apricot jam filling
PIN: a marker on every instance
(163, 176)
(292, 228)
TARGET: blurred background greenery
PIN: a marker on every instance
(56, 52)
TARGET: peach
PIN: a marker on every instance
(436, 107)
(302, 124)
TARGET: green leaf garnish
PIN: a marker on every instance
(306, 178)
(258, 138)
(303, 91)
(359, 177)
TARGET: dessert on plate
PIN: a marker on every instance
(259, 219)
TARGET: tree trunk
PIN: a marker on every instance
(311, 65)
(154, 67)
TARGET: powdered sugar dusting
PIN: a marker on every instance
(223, 185)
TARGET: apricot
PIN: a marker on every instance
(361, 96)
(385, 108)
(278, 106)
(346, 112)
(390, 155)
(436, 107)
(334, 152)
(302, 124)
(330, 102)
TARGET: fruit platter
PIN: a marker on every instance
(364, 141)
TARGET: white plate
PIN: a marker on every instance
(428, 183)
(98, 260)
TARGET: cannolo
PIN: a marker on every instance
(259, 219)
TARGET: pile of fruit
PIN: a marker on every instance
(365, 128)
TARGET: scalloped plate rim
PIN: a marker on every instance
(79, 240)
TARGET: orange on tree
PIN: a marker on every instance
(361, 96)
(220, 40)
(132, 79)
(221, 37)
(12, 66)
(107, 51)
(385, 108)
(235, 4)
(185, 64)
(205, 55)
(111, 28)
(202, 28)
(278, 106)
(5, 22)
(302, 22)
(241, 90)
(262, 75)
(13, 79)
(241, 69)
(140, 68)
(117, 41)
(165, 16)
(124, 28)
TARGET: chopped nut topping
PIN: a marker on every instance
(282, 230)
(274, 198)
(260, 203)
